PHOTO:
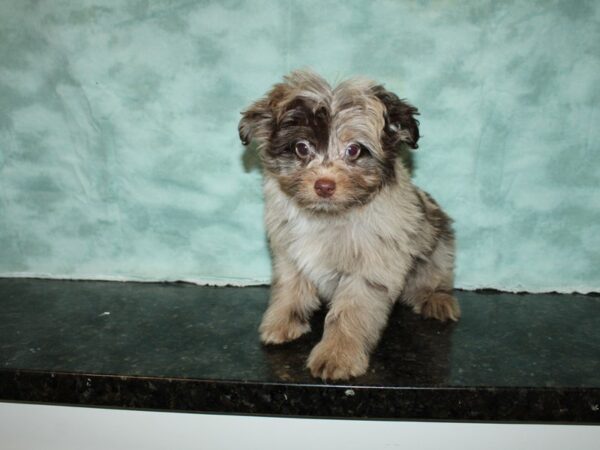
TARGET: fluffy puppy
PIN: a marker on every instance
(345, 223)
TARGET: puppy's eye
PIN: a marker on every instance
(302, 149)
(353, 151)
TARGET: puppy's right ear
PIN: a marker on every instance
(256, 123)
(259, 121)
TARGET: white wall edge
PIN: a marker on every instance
(43, 427)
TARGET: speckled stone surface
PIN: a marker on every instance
(530, 358)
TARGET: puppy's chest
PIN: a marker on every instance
(324, 248)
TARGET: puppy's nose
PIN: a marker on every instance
(324, 187)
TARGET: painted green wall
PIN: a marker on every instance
(119, 155)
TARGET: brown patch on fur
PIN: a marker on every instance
(356, 188)
(401, 124)
(264, 116)
(440, 221)
(353, 187)
(293, 184)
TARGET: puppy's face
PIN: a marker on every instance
(330, 149)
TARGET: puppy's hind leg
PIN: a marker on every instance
(429, 286)
(293, 299)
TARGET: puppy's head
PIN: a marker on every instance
(330, 149)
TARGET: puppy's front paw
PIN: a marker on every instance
(337, 359)
(440, 306)
(275, 330)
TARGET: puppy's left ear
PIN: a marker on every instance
(400, 122)
(256, 123)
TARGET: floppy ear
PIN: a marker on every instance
(256, 123)
(400, 122)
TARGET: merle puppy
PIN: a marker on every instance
(345, 223)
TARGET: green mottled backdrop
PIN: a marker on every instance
(119, 155)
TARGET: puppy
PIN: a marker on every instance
(345, 224)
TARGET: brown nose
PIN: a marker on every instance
(324, 187)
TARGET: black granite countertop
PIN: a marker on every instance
(180, 347)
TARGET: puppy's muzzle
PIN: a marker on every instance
(324, 187)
